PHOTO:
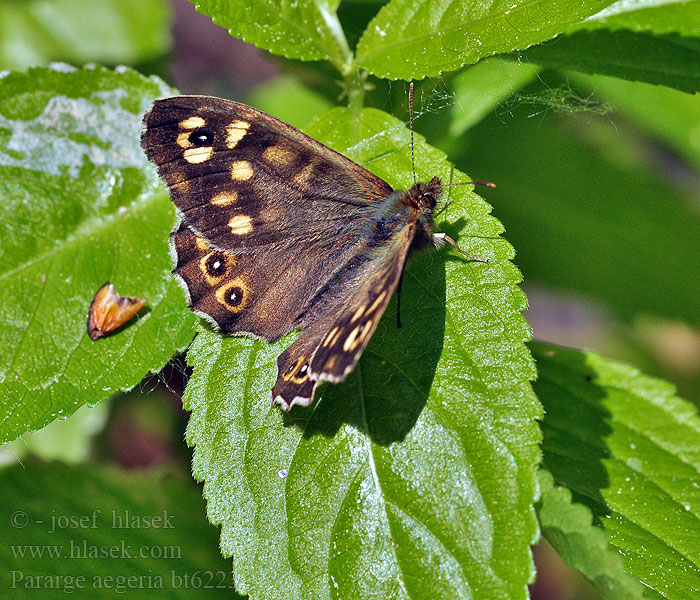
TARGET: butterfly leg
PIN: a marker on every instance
(439, 240)
(443, 206)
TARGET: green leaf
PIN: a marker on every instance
(68, 440)
(415, 477)
(37, 32)
(412, 40)
(669, 60)
(629, 449)
(654, 16)
(606, 222)
(80, 206)
(481, 88)
(639, 41)
(669, 115)
(100, 532)
(567, 527)
(302, 29)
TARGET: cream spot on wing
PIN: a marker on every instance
(302, 177)
(336, 337)
(176, 178)
(357, 336)
(225, 198)
(235, 132)
(330, 363)
(358, 313)
(198, 155)
(350, 340)
(377, 302)
(330, 336)
(192, 123)
(241, 170)
(278, 155)
(240, 225)
(183, 140)
(201, 243)
(364, 331)
(272, 215)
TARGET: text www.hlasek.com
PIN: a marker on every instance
(83, 550)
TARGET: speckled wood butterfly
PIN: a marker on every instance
(279, 232)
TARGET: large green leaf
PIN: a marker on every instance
(413, 479)
(587, 209)
(629, 449)
(302, 29)
(412, 39)
(100, 532)
(668, 60)
(584, 546)
(654, 42)
(36, 32)
(653, 16)
(80, 206)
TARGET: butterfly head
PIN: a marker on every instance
(423, 197)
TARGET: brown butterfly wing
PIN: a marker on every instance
(278, 232)
(244, 179)
(331, 346)
(265, 293)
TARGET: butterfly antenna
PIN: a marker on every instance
(484, 183)
(410, 118)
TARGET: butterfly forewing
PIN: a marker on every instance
(244, 179)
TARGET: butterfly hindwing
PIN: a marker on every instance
(352, 327)
(264, 293)
(330, 348)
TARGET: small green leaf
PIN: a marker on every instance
(37, 32)
(81, 206)
(302, 29)
(629, 449)
(415, 478)
(568, 528)
(412, 40)
(100, 532)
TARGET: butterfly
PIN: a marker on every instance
(278, 232)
